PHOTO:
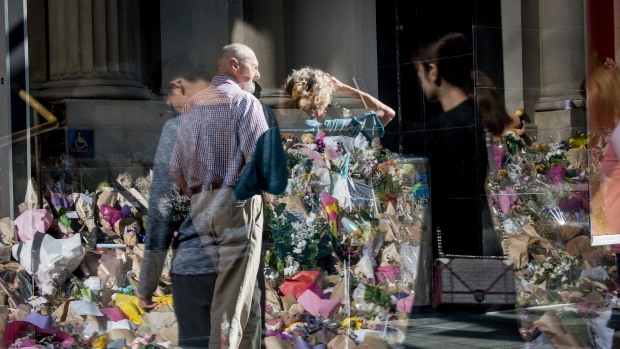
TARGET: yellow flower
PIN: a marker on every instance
(355, 323)
(293, 327)
(100, 342)
(167, 299)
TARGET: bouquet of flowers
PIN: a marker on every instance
(346, 237)
(540, 201)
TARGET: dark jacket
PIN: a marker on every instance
(266, 171)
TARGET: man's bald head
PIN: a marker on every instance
(238, 51)
(239, 61)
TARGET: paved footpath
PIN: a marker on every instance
(451, 330)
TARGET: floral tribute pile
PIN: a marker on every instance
(540, 199)
(77, 289)
(345, 262)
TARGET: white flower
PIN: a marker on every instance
(297, 250)
(291, 266)
(564, 279)
(310, 219)
(301, 245)
(290, 271)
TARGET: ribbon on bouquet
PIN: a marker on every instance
(330, 205)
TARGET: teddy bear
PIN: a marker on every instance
(307, 138)
(516, 126)
(293, 318)
(288, 140)
(309, 141)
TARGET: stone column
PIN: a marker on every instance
(94, 50)
(562, 66)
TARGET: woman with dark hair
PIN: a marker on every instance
(444, 69)
(455, 140)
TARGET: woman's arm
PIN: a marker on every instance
(385, 113)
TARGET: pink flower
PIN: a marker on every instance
(320, 142)
(506, 199)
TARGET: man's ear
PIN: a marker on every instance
(433, 74)
(234, 64)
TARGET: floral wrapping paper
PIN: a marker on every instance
(355, 216)
(540, 200)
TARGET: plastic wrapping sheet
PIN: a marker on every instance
(349, 243)
(541, 204)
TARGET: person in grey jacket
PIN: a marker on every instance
(193, 274)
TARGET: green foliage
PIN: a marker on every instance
(577, 324)
(514, 144)
(377, 296)
(553, 296)
(386, 185)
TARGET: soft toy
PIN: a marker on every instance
(288, 140)
(293, 318)
(307, 138)
(516, 126)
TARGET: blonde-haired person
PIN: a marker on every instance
(604, 114)
(311, 90)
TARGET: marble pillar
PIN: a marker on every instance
(562, 67)
(94, 50)
(562, 52)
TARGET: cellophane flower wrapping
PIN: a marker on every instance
(540, 197)
(357, 215)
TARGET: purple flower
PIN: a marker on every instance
(283, 336)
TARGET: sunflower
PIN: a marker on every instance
(355, 323)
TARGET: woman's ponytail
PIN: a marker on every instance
(493, 116)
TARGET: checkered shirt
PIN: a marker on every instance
(217, 133)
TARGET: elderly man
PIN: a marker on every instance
(217, 137)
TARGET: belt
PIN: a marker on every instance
(213, 186)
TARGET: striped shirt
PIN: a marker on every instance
(217, 133)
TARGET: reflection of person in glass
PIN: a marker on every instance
(604, 88)
(217, 137)
(193, 274)
(444, 69)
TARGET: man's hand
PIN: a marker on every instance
(145, 303)
(177, 175)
